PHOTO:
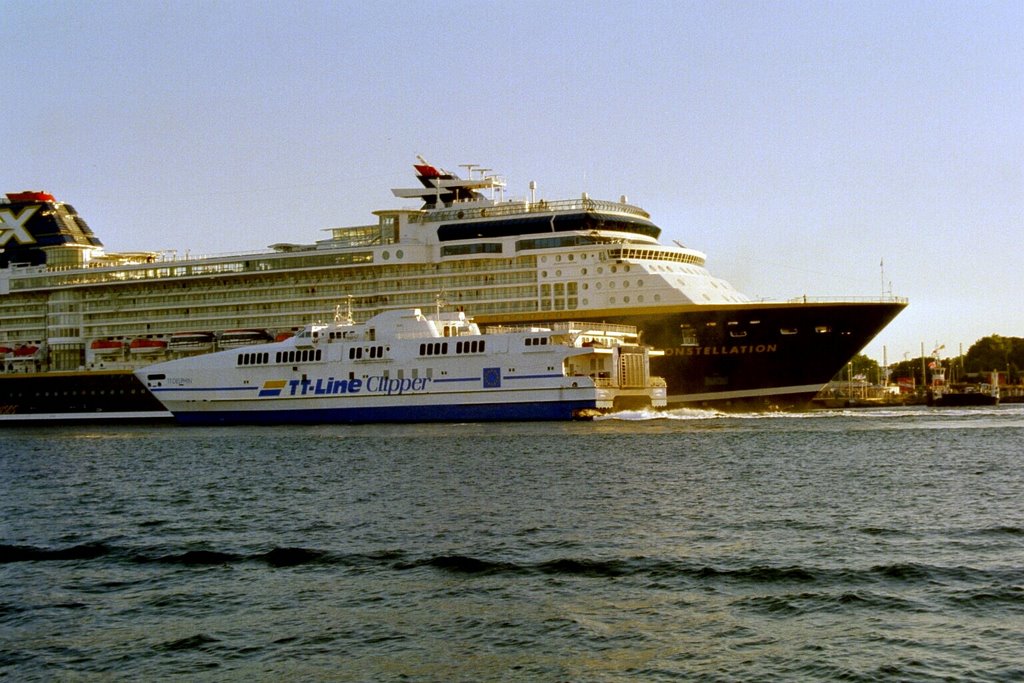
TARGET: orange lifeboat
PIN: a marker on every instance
(106, 346)
(143, 345)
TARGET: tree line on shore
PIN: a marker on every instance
(992, 353)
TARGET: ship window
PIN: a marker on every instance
(822, 329)
(788, 330)
(477, 248)
(543, 224)
(739, 334)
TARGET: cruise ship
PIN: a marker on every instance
(76, 320)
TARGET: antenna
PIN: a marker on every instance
(881, 266)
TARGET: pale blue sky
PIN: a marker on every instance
(798, 144)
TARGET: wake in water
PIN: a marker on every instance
(909, 412)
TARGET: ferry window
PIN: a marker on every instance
(444, 347)
(822, 329)
(423, 349)
(319, 354)
(788, 330)
(458, 347)
(277, 357)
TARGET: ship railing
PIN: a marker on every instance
(840, 299)
(518, 208)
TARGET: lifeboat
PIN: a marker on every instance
(143, 345)
(191, 341)
(231, 339)
(4, 350)
(106, 347)
(281, 336)
(26, 351)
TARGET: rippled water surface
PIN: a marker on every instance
(857, 545)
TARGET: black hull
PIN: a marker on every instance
(77, 397)
(754, 356)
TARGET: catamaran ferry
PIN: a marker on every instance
(402, 366)
(76, 320)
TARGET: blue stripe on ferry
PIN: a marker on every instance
(453, 412)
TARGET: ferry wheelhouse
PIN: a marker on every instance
(522, 261)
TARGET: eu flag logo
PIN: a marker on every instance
(492, 378)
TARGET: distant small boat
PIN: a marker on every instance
(956, 399)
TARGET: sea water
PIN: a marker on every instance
(690, 545)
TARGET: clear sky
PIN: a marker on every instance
(800, 145)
